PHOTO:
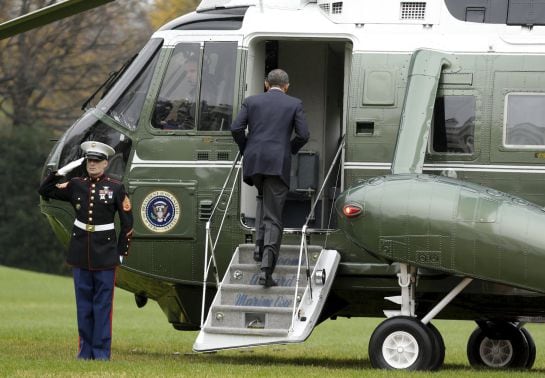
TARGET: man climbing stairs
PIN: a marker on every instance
(245, 313)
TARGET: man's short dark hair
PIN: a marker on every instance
(278, 78)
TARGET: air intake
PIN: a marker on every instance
(413, 10)
(223, 155)
(325, 7)
(333, 8)
(364, 12)
(203, 155)
(205, 210)
(337, 8)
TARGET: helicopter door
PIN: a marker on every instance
(318, 80)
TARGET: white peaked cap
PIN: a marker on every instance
(98, 150)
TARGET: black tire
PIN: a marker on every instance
(506, 348)
(401, 343)
(438, 351)
(531, 348)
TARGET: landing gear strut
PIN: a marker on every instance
(404, 342)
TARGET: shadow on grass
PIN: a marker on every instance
(339, 363)
(447, 366)
(248, 357)
(271, 360)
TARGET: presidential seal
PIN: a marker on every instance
(160, 211)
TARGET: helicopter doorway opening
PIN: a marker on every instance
(317, 76)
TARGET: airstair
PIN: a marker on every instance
(245, 313)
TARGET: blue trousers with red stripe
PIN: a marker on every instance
(94, 300)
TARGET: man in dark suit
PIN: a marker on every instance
(271, 119)
(94, 252)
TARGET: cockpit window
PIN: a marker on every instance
(218, 85)
(87, 128)
(524, 120)
(453, 125)
(197, 91)
(176, 104)
(128, 107)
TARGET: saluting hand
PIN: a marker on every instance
(69, 167)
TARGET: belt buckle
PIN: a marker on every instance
(90, 227)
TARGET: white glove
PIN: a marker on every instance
(69, 167)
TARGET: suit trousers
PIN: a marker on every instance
(272, 193)
(94, 300)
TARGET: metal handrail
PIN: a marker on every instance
(211, 245)
(303, 245)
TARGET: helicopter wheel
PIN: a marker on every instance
(402, 342)
(531, 348)
(438, 356)
(507, 347)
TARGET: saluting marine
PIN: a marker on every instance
(94, 251)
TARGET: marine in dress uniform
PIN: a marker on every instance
(271, 118)
(94, 251)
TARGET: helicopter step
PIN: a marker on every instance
(245, 313)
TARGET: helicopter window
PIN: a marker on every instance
(176, 104)
(211, 19)
(129, 92)
(89, 128)
(453, 125)
(525, 119)
(219, 24)
(508, 12)
(218, 85)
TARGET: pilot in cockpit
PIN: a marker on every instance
(175, 108)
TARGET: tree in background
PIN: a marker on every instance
(166, 10)
(26, 239)
(45, 75)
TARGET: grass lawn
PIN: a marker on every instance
(38, 337)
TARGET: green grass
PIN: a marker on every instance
(38, 337)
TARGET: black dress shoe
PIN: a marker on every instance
(266, 280)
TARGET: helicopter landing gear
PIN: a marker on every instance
(404, 342)
(401, 342)
(438, 354)
(531, 349)
(499, 345)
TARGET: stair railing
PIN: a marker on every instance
(304, 231)
(210, 245)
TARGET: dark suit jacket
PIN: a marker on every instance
(271, 118)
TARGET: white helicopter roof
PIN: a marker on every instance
(373, 25)
(348, 11)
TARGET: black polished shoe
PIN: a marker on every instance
(258, 251)
(266, 280)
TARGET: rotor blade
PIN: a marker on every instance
(47, 15)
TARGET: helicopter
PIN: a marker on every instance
(418, 196)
